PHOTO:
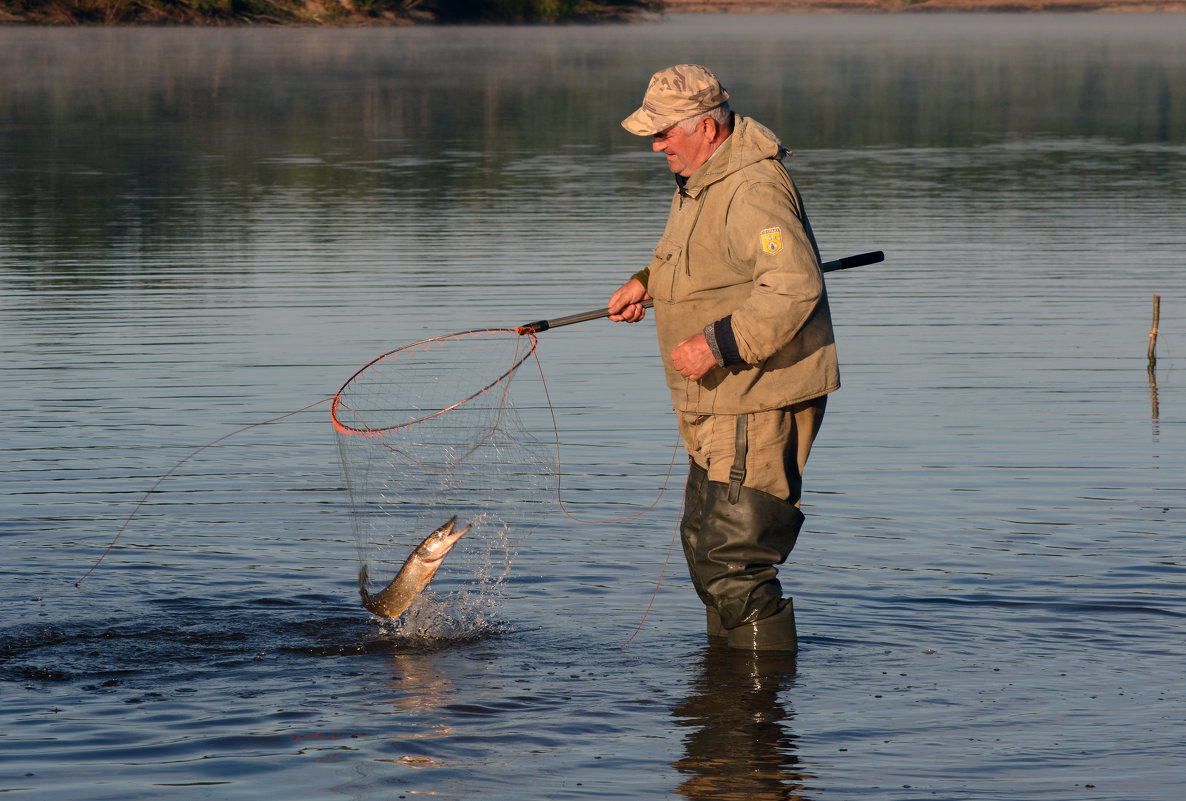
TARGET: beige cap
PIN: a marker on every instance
(675, 94)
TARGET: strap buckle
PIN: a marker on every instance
(737, 471)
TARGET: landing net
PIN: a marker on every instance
(428, 431)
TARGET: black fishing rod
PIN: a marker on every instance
(847, 262)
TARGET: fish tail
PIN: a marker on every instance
(362, 585)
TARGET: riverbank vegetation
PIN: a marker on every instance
(314, 12)
(405, 12)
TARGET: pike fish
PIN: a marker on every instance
(414, 576)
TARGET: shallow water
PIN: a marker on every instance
(202, 230)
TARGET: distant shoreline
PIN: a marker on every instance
(351, 13)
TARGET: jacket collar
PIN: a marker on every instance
(750, 142)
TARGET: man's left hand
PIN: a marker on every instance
(693, 357)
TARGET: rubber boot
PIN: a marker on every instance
(717, 633)
(774, 633)
(690, 538)
(734, 551)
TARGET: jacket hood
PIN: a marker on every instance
(750, 142)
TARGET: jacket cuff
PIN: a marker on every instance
(722, 342)
(643, 276)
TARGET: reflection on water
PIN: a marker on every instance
(191, 138)
(421, 690)
(203, 229)
(740, 743)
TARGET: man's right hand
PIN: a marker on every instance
(625, 305)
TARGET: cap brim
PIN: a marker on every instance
(643, 123)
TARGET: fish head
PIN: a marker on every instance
(440, 542)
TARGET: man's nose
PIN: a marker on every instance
(658, 145)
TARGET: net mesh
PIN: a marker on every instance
(428, 431)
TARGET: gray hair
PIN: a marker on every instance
(722, 115)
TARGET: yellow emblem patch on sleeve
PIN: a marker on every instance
(772, 240)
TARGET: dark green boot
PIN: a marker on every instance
(690, 536)
(774, 633)
(737, 544)
(732, 545)
(689, 528)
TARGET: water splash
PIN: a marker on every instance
(469, 611)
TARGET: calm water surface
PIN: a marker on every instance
(205, 229)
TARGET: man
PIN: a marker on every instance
(746, 338)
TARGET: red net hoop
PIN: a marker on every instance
(362, 405)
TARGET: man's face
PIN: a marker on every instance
(685, 152)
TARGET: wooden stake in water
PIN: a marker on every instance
(1153, 332)
(1152, 369)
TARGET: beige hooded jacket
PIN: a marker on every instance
(738, 257)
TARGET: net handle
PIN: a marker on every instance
(539, 326)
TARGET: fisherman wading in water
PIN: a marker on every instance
(746, 338)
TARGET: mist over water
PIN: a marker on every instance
(205, 229)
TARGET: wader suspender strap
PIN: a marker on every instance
(737, 471)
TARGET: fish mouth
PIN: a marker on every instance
(442, 542)
(447, 534)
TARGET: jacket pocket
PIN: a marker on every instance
(664, 269)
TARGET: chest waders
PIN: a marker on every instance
(733, 536)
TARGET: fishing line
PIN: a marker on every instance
(173, 469)
(679, 525)
(662, 490)
(560, 472)
(658, 581)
